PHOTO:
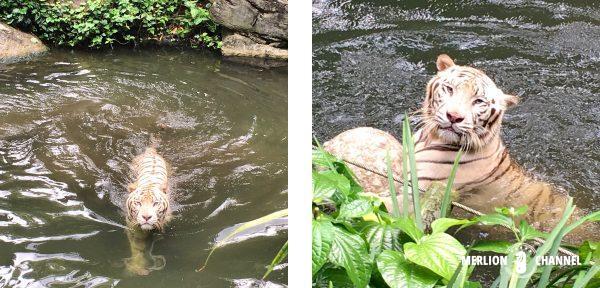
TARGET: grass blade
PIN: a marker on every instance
(323, 151)
(446, 200)
(452, 280)
(550, 241)
(278, 258)
(581, 221)
(395, 208)
(413, 172)
(569, 274)
(506, 274)
(583, 280)
(404, 178)
(495, 283)
(244, 227)
(545, 276)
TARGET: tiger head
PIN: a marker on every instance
(147, 207)
(463, 106)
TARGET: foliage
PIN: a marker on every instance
(282, 254)
(245, 226)
(100, 23)
(357, 243)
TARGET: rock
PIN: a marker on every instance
(254, 28)
(72, 3)
(16, 45)
(241, 46)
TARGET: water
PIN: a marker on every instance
(372, 60)
(72, 122)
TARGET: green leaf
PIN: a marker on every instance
(495, 219)
(590, 247)
(322, 158)
(414, 179)
(458, 278)
(521, 210)
(442, 224)
(332, 277)
(469, 284)
(439, 252)
(397, 272)
(193, 12)
(497, 246)
(283, 252)
(392, 185)
(552, 242)
(350, 251)
(322, 238)
(326, 183)
(381, 236)
(244, 227)
(404, 177)
(356, 208)
(528, 232)
(583, 279)
(594, 217)
(446, 201)
(408, 226)
(511, 211)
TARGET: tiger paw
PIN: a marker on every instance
(136, 268)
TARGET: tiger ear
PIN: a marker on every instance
(443, 62)
(131, 187)
(510, 100)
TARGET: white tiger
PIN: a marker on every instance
(463, 109)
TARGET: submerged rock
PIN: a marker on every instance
(253, 28)
(16, 45)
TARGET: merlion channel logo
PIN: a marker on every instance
(520, 261)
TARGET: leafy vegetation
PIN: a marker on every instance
(357, 243)
(99, 23)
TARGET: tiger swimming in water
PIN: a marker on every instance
(463, 109)
(147, 208)
(148, 201)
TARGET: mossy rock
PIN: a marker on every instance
(17, 46)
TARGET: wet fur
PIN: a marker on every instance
(150, 191)
(149, 194)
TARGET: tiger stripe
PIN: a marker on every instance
(149, 191)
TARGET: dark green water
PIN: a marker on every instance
(372, 60)
(72, 121)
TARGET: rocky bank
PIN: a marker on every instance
(253, 28)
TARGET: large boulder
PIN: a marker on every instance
(16, 45)
(253, 28)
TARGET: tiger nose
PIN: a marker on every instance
(146, 217)
(454, 117)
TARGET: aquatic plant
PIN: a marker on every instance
(280, 256)
(357, 243)
(98, 23)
